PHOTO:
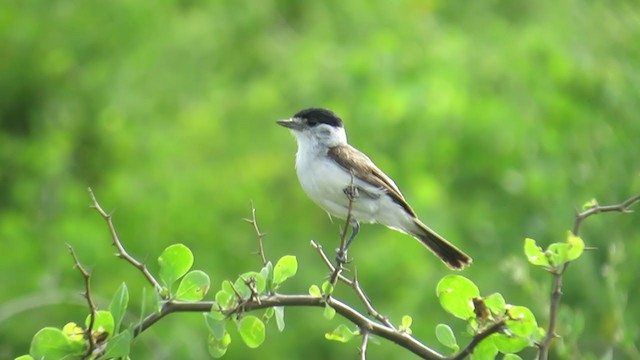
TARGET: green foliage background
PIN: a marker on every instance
(496, 118)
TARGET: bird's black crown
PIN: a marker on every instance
(315, 116)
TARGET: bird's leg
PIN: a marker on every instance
(352, 192)
(355, 229)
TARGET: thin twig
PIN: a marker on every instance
(122, 253)
(477, 339)
(351, 194)
(260, 235)
(363, 346)
(355, 285)
(88, 333)
(556, 287)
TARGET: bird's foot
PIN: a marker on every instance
(341, 256)
(351, 192)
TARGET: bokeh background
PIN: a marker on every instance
(496, 118)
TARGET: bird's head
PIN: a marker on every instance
(316, 127)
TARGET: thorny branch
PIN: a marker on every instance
(122, 253)
(556, 287)
(88, 333)
(259, 235)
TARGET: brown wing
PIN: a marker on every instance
(363, 168)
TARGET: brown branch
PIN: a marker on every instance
(122, 253)
(402, 339)
(477, 339)
(88, 333)
(260, 235)
(556, 288)
(355, 285)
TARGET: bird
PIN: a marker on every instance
(329, 170)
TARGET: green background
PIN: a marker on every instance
(497, 119)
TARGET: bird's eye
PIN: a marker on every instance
(312, 122)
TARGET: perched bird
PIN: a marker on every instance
(328, 167)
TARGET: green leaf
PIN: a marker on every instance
(486, 350)
(445, 336)
(174, 262)
(576, 246)
(456, 294)
(119, 345)
(342, 334)
(285, 268)
(495, 302)
(557, 253)
(193, 286)
(225, 298)
(327, 288)
(534, 253)
(589, 204)
(118, 306)
(252, 331)
(279, 317)
(314, 290)
(511, 357)
(103, 323)
(52, 343)
(521, 321)
(510, 344)
(267, 275)
(258, 280)
(24, 357)
(218, 347)
(329, 312)
(217, 327)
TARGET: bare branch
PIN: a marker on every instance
(259, 235)
(556, 288)
(122, 253)
(88, 333)
(363, 322)
(365, 342)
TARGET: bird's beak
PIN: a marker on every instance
(293, 123)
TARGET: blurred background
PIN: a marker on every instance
(497, 119)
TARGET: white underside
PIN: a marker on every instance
(324, 182)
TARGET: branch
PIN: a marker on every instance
(367, 325)
(88, 333)
(365, 342)
(477, 339)
(122, 253)
(556, 292)
(351, 192)
(259, 235)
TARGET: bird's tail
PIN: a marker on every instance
(453, 257)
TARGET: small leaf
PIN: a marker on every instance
(456, 295)
(445, 336)
(407, 321)
(521, 321)
(217, 348)
(495, 302)
(252, 331)
(279, 317)
(285, 268)
(511, 357)
(327, 288)
(486, 350)
(118, 306)
(73, 332)
(24, 357)
(103, 322)
(314, 290)
(119, 345)
(590, 204)
(557, 253)
(256, 278)
(217, 327)
(509, 344)
(267, 275)
(174, 262)
(342, 334)
(51, 343)
(329, 312)
(576, 246)
(193, 286)
(534, 253)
